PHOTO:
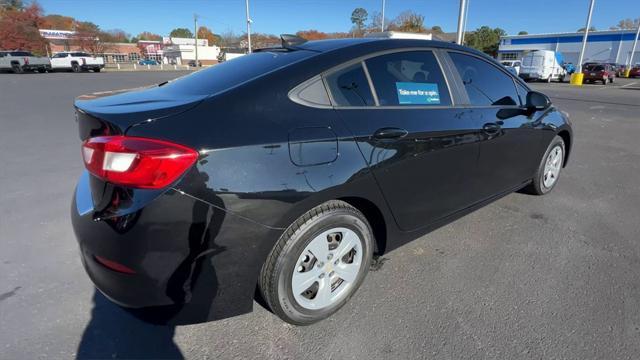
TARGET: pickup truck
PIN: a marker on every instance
(76, 62)
(21, 61)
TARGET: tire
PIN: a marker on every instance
(75, 68)
(611, 80)
(334, 228)
(96, 70)
(17, 69)
(539, 186)
(605, 81)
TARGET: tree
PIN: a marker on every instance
(485, 39)
(19, 27)
(12, 5)
(592, 28)
(181, 33)
(114, 36)
(58, 22)
(206, 33)
(90, 38)
(145, 35)
(626, 24)
(437, 29)
(410, 21)
(523, 32)
(312, 34)
(358, 18)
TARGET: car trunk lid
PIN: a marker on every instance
(114, 112)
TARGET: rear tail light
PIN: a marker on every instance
(136, 162)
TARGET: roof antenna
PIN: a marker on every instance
(291, 41)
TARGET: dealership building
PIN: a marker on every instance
(612, 46)
(170, 50)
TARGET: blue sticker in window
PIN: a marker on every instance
(418, 93)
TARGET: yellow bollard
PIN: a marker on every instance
(627, 72)
(576, 79)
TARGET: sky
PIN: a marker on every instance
(289, 16)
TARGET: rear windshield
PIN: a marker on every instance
(595, 67)
(236, 71)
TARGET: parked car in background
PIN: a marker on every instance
(543, 65)
(148, 62)
(192, 63)
(635, 71)
(76, 61)
(515, 64)
(598, 72)
(21, 61)
(284, 171)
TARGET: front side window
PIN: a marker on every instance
(60, 55)
(485, 84)
(349, 87)
(408, 78)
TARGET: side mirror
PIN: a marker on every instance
(537, 101)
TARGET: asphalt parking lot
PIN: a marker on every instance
(554, 277)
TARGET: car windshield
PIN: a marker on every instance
(234, 72)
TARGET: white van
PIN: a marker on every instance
(545, 65)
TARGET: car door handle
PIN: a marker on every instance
(390, 133)
(491, 128)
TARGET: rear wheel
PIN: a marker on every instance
(17, 69)
(318, 263)
(75, 67)
(549, 169)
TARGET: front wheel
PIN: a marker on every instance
(17, 69)
(75, 68)
(548, 172)
(318, 263)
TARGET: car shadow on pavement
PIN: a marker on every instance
(115, 333)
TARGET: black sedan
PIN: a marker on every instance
(279, 175)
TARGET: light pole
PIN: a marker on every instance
(195, 28)
(586, 35)
(466, 16)
(382, 21)
(461, 20)
(249, 21)
(633, 48)
(577, 77)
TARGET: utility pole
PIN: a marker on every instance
(633, 48)
(249, 21)
(586, 35)
(195, 28)
(461, 19)
(382, 21)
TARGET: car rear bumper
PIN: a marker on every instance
(180, 250)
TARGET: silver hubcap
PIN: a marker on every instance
(327, 268)
(552, 167)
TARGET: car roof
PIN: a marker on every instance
(336, 44)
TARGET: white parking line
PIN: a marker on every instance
(629, 84)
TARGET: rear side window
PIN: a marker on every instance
(349, 87)
(485, 84)
(408, 78)
(21, 53)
